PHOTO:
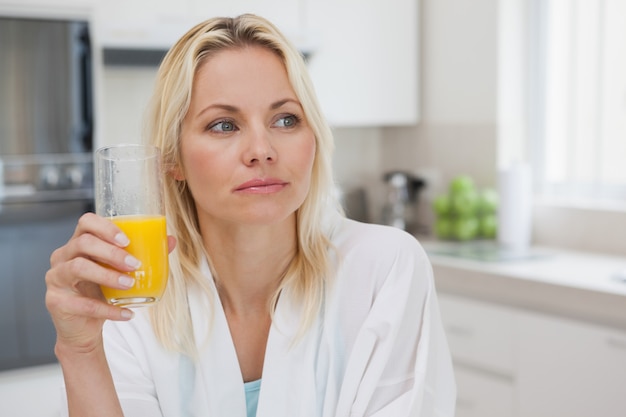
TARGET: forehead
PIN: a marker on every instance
(250, 61)
(247, 78)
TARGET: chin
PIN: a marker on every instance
(266, 217)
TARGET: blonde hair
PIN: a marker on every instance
(309, 272)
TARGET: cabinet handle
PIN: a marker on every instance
(616, 343)
(465, 404)
(457, 330)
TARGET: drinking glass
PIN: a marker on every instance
(129, 192)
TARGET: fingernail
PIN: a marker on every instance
(122, 239)
(127, 314)
(126, 281)
(132, 261)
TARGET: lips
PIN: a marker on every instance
(261, 186)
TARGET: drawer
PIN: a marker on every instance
(480, 334)
(481, 395)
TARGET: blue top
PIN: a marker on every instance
(252, 396)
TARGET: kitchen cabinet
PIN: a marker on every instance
(365, 60)
(9, 346)
(140, 24)
(288, 16)
(48, 8)
(517, 362)
(27, 333)
(36, 243)
(481, 339)
(570, 368)
(483, 394)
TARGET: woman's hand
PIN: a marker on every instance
(93, 256)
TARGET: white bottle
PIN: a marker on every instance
(515, 208)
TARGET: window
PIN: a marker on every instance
(578, 104)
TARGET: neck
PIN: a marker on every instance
(249, 263)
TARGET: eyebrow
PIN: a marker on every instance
(234, 109)
(281, 103)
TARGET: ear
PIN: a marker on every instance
(177, 173)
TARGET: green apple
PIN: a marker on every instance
(465, 228)
(464, 202)
(488, 226)
(461, 183)
(443, 228)
(488, 201)
(441, 205)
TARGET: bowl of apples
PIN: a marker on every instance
(466, 212)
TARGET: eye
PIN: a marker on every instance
(289, 120)
(222, 126)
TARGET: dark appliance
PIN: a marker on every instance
(46, 125)
(400, 207)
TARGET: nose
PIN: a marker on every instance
(259, 148)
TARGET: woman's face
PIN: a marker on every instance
(246, 149)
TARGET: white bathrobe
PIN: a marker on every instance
(377, 348)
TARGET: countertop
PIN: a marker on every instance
(582, 286)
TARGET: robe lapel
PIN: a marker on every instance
(219, 385)
(289, 385)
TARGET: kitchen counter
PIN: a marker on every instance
(583, 286)
(31, 391)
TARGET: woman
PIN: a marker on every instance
(277, 305)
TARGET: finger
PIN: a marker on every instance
(65, 310)
(90, 307)
(101, 227)
(84, 276)
(92, 247)
(171, 244)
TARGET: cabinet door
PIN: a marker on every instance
(287, 15)
(480, 335)
(48, 8)
(569, 368)
(364, 60)
(141, 23)
(37, 242)
(483, 395)
(481, 339)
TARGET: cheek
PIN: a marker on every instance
(201, 167)
(306, 161)
(308, 154)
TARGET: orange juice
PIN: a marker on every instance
(148, 243)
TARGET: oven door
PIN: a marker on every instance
(27, 334)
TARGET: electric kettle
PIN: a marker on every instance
(399, 209)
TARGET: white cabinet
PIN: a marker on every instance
(514, 362)
(570, 368)
(365, 60)
(287, 15)
(48, 8)
(481, 339)
(483, 394)
(151, 24)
